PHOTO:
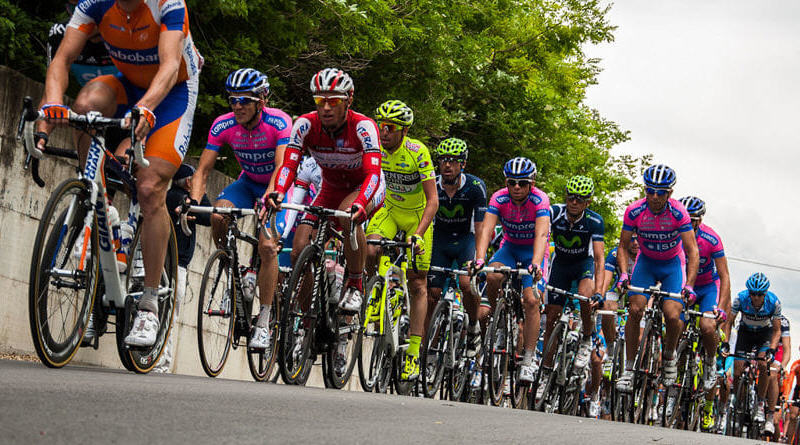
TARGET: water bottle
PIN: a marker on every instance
(249, 284)
(125, 240)
(113, 221)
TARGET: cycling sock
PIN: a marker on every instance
(149, 300)
(263, 316)
(474, 328)
(413, 345)
(528, 357)
(354, 280)
(669, 355)
(709, 406)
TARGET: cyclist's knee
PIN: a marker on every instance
(708, 327)
(635, 311)
(95, 96)
(530, 301)
(267, 250)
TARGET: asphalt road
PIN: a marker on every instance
(97, 405)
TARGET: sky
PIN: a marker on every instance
(712, 89)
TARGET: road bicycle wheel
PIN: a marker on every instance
(259, 362)
(548, 376)
(372, 354)
(298, 325)
(59, 304)
(516, 342)
(142, 360)
(499, 353)
(677, 393)
(342, 356)
(436, 348)
(619, 400)
(457, 377)
(641, 378)
(216, 312)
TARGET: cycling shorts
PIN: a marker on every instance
(670, 273)
(779, 354)
(566, 276)
(520, 255)
(169, 139)
(446, 251)
(331, 198)
(707, 296)
(753, 341)
(724, 365)
(387, 221)
(243, 192)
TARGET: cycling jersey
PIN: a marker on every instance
(350, 159)
(456, 214)
(519, 221)
(756, 319)
(93, 61)
(405, 170)
(612, 266)
(710, 248)
(659, 234)
(254, 149)
(786, 330)
(132, 38)
(573, 240)
(794, 372)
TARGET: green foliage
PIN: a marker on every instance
(507, 76)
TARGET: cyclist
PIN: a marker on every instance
(258, 136)
(462, 206)
(791, 397)
(783, 355)
(524, 212)
(610, 276)
(410, 206)
(158, 75)
(663, 226)
(713, 287)
(759, 330)
(346, 146)
(306, 185)
(577, 233)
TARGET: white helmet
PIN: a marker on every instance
(332, 80)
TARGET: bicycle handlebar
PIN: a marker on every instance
(699, 314)
(618, 312)
(567, 293)
(186, 209)
(449, 270)
(323, 212)
(383, 242)
(505, 270)
(655, 292)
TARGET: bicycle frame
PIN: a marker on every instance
(387, 269)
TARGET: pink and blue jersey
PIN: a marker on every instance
(254, 149)
(710, 246)
(659, 234)
(519, 222)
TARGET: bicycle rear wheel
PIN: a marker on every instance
(142, 360)
(298, 325)
(499, 353)
(216, 312)
(60, 295)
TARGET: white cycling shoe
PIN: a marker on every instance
(625, 382)
(260, 339)
(144, 330)
(527, 373)
(351, 301)
(584, 351)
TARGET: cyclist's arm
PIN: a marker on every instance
(368, 133)
(479, 206)
(200, 177)
(776, 333)
(431, 206)
(280, 151)
(541, 238)
(58, 70)
(622, 250)
(298, 194)
(293, 155)
(483, 237)
(787, 351)
(724, 284)
(692, 256)
(734, 312)
(599, 267)
(169, 63)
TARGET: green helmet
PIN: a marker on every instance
(581, 186)
(395, 111)
(454, 147)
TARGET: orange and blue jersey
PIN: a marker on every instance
(132, 38)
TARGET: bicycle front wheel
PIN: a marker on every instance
(372, 354)
(261, 363)
(298, 325)
(216, 312)
(60, 292)
(436, 348)
(498, 353)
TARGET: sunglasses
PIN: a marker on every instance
(449, 159)
(389, 126)
(518, 182)
(757, 294)
(659, 192)
(577, 198)
(241, 100)
(333, 101)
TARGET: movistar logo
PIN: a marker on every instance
(457, 211)
(568, 243)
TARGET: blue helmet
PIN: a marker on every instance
(694, 205)
(247, 80)
(520, 168)
(659, 176)
(757, 282)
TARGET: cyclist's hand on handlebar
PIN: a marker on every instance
(359, 213)
(58, 113)
(535, 271)
(769, 355)
(40, 140)
(722, 316)
(419, 244)
(597, 301)
(724, 348)
(689, 295)
(623, 282)
(270, 200)
(475, 266)
(184, 208)
(147, 121)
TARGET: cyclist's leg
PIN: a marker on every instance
(463, 250)
(554, 303)
(707, 302)
(417, 281)
(268, 272)
(436, 280)
(381, 225)
(503, 257)
(237, 194)
(105, 94)
(531, 302)
(673, 279)
(585, 274)
(642, 277)
(355, 258)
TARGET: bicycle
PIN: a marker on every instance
(687, 394)
(616, 354)
(311, 321)
(503, 335)
(77, 211)
(224, 310)
(744, 400)
(446, 341)
(386, 324)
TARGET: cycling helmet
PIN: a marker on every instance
(332, 80)
(757, 282)
(520, 168)
(247, 80)
(659, 176)
(694, 205)
(581, 186)
(395, 111)
(454, 147)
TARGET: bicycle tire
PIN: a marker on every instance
(679, 390)
(498, 358)
(347, 329)
(143, 360)
(436, 348)
(401, 387)
(457, 377)
(548, 376)
(295, 361)
(57, 352)
(618, 399)
(260, 363)
(371, 354)
(217, 289)
(641, 378)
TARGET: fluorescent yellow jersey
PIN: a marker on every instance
(405, 170)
